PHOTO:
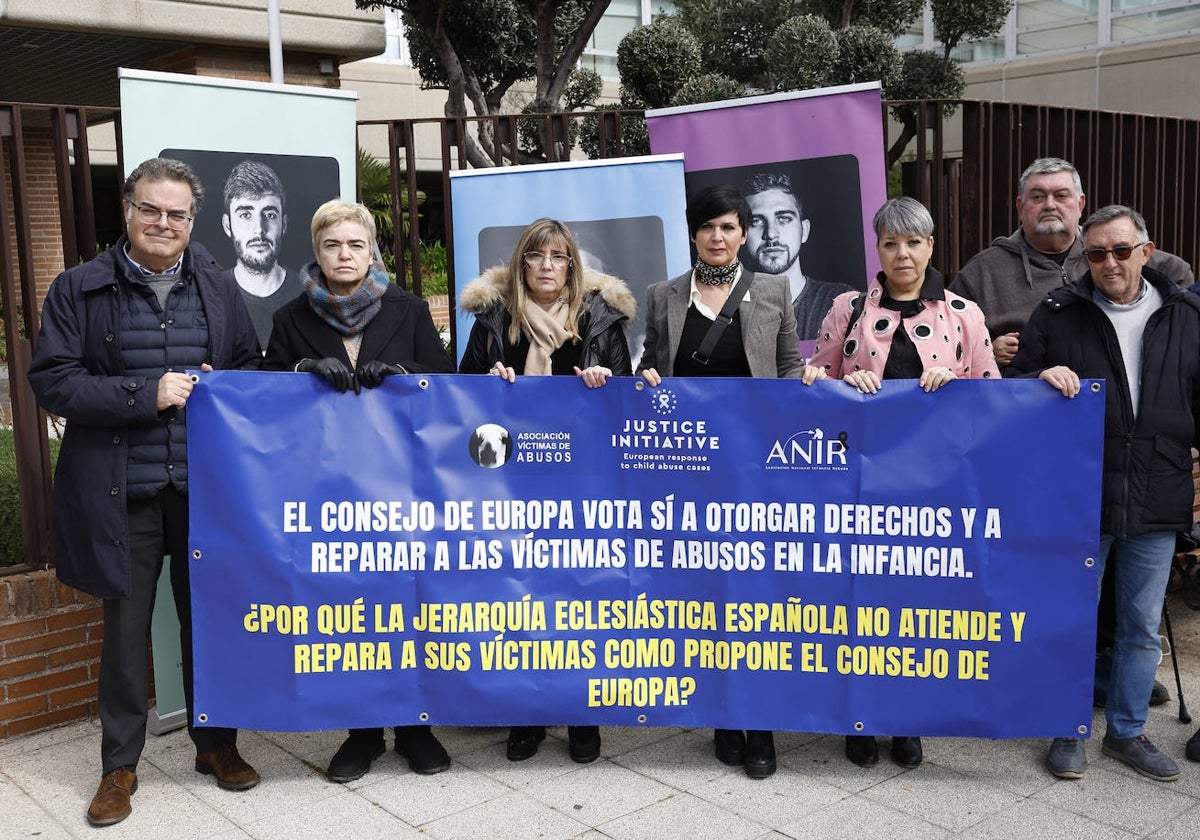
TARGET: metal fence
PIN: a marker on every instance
(963, 166)
(39, 143)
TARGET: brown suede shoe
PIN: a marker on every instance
(224, 762)
(111, 803)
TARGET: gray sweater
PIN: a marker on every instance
(1008, 279)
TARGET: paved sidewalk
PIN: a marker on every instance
(649, 783)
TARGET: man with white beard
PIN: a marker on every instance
(1012, 276)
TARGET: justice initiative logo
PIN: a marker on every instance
(663, 402)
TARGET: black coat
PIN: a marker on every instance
(401, 333)
(607, 308)
(77, 372)
(1148, 462)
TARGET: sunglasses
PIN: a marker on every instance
(1121, 252)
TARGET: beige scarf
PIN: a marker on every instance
(546, 330)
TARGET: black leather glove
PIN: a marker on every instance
(335, 372)
(370, 374)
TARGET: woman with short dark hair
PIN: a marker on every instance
(685, 337)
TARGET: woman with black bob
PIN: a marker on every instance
(904, 326)
(353, 327)
(544, 314)
(684, 337)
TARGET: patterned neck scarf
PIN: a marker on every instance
(716, 275)
(348, 314)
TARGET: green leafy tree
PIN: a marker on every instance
(925, 75)
(803, 51)
(892, 16)
(733, 37)
(634, 138)
(477, 50)
(711, 87)
(582, 91)
(655, 60)
(781, 45)
(865, 53)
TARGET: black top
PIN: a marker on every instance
(562, 361)
(903, 361)
(728, 357)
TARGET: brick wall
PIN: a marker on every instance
(50, 637)
(41, 182)
(254, 66)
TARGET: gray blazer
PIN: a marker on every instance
(768, 326)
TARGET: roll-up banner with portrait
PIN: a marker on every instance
(627, 216)
(809, 163)
(464, 550)
(267, 155)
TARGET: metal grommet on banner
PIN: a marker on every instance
(195, 379)
(1095, 387)
(196, 554)
(202, 718)
(422, 384)
(641, 718)
(1089, 562)
(858, 726)
(639, 385)
(1082, 729)
(423, 717)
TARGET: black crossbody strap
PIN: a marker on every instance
(724, 318)
(856, 311)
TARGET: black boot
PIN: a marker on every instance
(760, 753)
(583, 743)
(1192, 750)
(353, 758)
(730, 746)
(523, 742)
(861, 750)
(907, 752)
(424, 751)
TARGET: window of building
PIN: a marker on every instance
(1047, 26)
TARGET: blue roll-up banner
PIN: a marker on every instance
(741, 553)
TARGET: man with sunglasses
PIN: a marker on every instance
(118, 334)
(1135, 328)
(1009, 278)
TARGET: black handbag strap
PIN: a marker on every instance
(856, 311)
(724, 318)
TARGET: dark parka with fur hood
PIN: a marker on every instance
(608, 307)
(1148, 461)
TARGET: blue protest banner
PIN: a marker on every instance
(733, 553)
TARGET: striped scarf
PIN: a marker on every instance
(348, 314)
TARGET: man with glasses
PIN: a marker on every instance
(1132, 326)
(1009, 278)
(118, 334)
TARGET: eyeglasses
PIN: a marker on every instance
(534, 259)
(1121, 252)
(151, 215)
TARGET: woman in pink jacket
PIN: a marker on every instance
(904, 326)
